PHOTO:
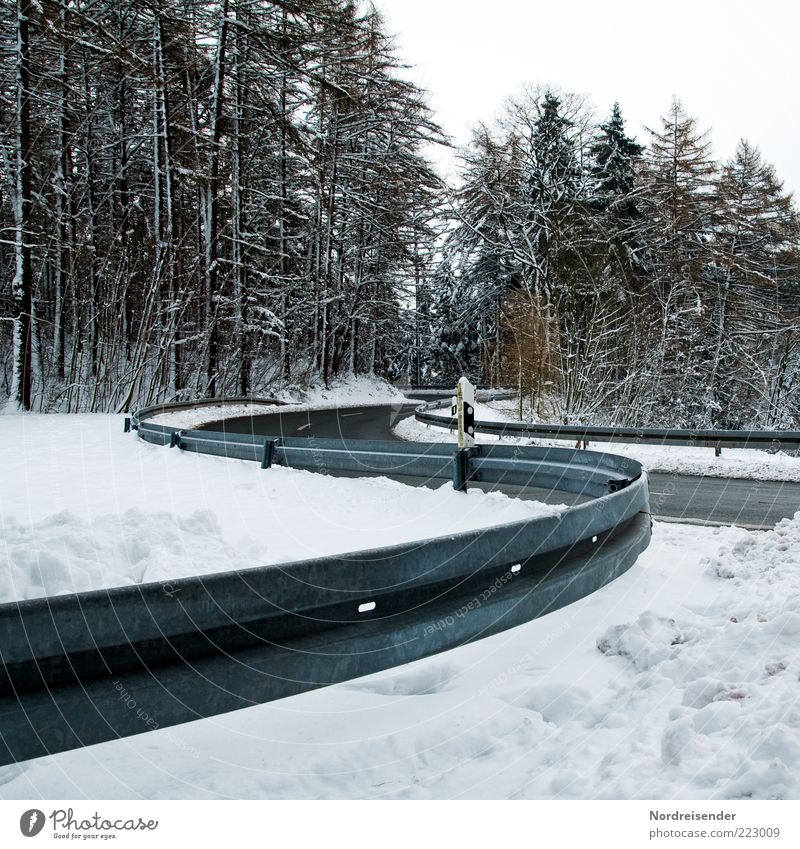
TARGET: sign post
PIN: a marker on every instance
(464, 409)
(465, 403)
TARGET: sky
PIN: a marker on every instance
(733, 64)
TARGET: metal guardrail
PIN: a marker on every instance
(90, 667)
(482, 393)
(448, 387)
(772, 440)
(178, 406)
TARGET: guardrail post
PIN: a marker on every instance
(127, 424)
(461, 470)
(717, 451)
(269, 453)
(175, 439)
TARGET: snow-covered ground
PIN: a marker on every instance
(347, 392)
(678, 680)
(734, 463)
(84, 505)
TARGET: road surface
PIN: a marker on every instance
(755, 504)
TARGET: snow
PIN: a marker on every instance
(85, 506)
(733, 463)
(677, 680)
(680, 679)
(352, 391)
(197, 416)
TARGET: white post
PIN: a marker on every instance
(465, 394)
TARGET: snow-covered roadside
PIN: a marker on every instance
(84, 506)
(678, 680)
(734, 463)
(359, 391)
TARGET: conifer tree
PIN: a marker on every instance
(614, 155)
(755, 309)
(678, 180)
(615, 194)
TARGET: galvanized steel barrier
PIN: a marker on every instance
(439, 391)
(95, 666)
(772, 440)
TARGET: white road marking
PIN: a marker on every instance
(304, 427)
(347, 415)
(710, 523)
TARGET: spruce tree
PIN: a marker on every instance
(615, 203)
(613, 167)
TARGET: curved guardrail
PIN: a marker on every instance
(772, 440)
(89, 667)
(179, 406)
(440, 391)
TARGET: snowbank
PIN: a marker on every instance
(350, 391)
(678, 680)
(85, 506)
(361, 391)
(734, 463)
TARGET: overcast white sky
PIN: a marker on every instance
(734, 64)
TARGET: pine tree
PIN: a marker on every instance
(613, 166)
(616, 260)
(554, 186)
(615, 194)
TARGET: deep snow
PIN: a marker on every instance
(84, 506)
(678, 680)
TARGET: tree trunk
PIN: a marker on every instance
(23, 276)
(212, 222)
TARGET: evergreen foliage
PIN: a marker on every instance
(206, 197)
(626, 284)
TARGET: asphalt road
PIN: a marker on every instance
(756, 504)
(344, 423)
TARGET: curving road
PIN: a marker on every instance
(753, 504)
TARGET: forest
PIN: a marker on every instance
(228, 197)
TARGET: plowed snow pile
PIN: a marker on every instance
(729, 669)
(85, 506)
